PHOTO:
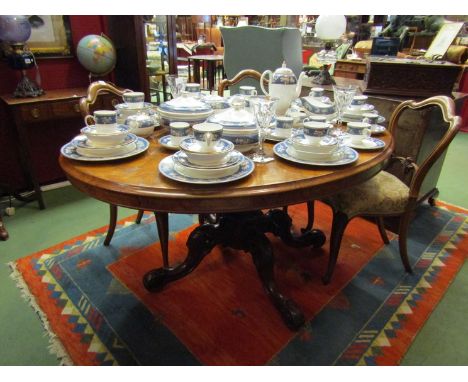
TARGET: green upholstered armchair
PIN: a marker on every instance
(258, 48)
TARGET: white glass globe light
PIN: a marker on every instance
(330, 27)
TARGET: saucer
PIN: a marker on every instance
(366, 144)
(70, 151)
(166, 142)
(167, 169)
(378, 129)
(85, 148)
(348, 156)
(276, 138)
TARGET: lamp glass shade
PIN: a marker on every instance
(330, 27)
(14, 29)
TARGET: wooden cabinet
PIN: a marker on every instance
(40, 127)
(350, 69)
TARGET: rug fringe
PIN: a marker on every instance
(55, 345)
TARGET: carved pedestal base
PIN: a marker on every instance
(245, 231)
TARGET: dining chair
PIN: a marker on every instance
(386, 195)
(242, 75)
(162, 220)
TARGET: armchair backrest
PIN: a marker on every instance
(259, 48)
(437, 139)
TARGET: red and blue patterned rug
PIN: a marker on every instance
(92, 303)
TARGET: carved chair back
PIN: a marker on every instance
(94, 90)
(243, 74)
(437, 139)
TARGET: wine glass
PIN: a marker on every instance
(176, 84)
(343, 95)
(264, 110)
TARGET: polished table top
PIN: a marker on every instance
(207, 57)
(136, 182)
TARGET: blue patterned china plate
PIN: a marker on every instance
(366, 144)
(70, 151)
(349, 156)
(82, 141)
(167, 168)
(234, 157)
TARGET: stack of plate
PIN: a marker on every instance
(97, 145)
(324, 152)
(218, 165)
(185, 108)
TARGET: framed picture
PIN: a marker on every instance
(50, 36)
(442, 40)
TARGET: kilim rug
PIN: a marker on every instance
(92, 302)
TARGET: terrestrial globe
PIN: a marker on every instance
(97, 54)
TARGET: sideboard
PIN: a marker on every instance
(39, 127)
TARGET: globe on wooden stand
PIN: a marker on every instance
(97, 54)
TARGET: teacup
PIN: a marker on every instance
(134, 100)
(103, 120)
(207, 134)
(248, 90)
(192, 87)
(314, 131)
(284, 125)
(316, 92)
(371, 118)
(358, 101)
(178, 131)
(358, 131)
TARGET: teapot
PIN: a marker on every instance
(284, 85)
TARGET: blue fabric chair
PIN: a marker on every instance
(259, 48)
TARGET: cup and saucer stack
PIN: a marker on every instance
(104, 140)
(206, 158)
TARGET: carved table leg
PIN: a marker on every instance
(245, 231)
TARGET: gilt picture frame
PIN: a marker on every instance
(50, 36)
(442, 40)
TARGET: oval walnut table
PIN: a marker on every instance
(240, 224)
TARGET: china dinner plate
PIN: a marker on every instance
(166, 168)
(366, 144)
(69, 151)
(234, 157)
(166, 142)
(349, 156)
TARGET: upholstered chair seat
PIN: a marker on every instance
(384, 194)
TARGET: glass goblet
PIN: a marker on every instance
(342, 95)
(264, 110)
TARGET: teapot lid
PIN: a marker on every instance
(284, 76)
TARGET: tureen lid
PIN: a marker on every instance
(236, 116)
(185, 104)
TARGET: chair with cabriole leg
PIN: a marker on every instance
(94, 90)
(386, 195)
